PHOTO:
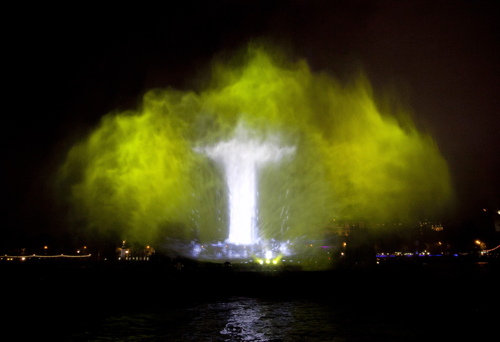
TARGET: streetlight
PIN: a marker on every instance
(480, 244)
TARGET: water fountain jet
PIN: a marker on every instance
(241, 158)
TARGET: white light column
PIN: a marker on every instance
(241, 157)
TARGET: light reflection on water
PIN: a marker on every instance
(246, 319)
(236, 319)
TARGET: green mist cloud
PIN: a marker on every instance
(138, 174)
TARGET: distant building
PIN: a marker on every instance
(137, 253)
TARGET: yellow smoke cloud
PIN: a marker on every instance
(138, 173)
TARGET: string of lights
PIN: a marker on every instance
(491, 250)
(24, 257)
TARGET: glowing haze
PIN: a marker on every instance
(301, 148)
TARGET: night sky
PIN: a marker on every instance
(64, 68)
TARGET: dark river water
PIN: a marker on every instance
(424, 303)
(249, 319)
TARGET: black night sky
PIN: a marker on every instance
(64, 68)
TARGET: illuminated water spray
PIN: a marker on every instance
(241, 158)
(136, 174)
